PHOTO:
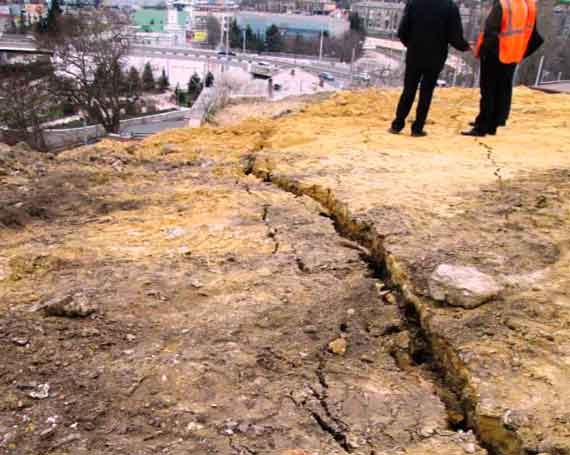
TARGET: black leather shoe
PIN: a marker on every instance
(472, 124)
(419, 133)
(473, 132)
(393, 130)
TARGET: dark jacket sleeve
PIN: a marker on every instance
(405, 25)
(492, 30)
(455, 30)
(534, 43)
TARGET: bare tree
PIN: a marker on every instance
(89, 57)
(24, 102)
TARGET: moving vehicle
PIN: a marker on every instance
(326, 76)
(364, 77)
(262, 69)
(229, 53)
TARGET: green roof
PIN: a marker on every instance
(153, 20)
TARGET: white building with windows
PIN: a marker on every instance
(382, 18)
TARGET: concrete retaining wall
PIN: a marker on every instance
(204, 104)
(62, 138)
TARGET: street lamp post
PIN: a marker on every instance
(244, 40)
(227, 36)
(321, 45)
(352, 64)
(85, 130)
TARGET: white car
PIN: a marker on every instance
(364, 77)
(441, 83)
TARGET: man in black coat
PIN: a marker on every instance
(426, 29)
(496, 79)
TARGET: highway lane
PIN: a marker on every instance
(338, 70)
(24, 44)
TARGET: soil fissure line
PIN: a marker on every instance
(489, 430)
(337, 429)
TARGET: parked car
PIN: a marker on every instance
(441, 83)
(326, 76)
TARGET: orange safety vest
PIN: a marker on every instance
(518, 19)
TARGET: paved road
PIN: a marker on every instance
(24, 44)
(340, 70)
(203, 56)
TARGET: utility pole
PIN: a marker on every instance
(227, 35)
(539, 73)
(222, 31)
(321, 45)
(244, 40)
(516, 76)
(352, 64)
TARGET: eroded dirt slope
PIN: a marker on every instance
(220, 279)
(216, 298)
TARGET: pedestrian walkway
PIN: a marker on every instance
(555, 87)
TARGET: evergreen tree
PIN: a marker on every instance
(194, 88)
(298, 44)
(235, 35)
(53, 16)
(250, 38)
(119, 79)
(273, 39)
(23, 22)
(213, 29)
(134, 84)
(209, 81)
(163, 82)
(259, 43)
(100, 75)
(356, 22)
(148, 78)
(177, 94)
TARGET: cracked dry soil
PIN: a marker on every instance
(218, 293)
(217, 299)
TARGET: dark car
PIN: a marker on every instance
(229, 53)
(326, 76)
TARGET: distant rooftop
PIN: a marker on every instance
(154, 20)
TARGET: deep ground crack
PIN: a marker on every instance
(339, 436)
(443, 359)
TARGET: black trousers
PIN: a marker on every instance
(496, 86)
(426, 78)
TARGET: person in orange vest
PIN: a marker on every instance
(508, 37)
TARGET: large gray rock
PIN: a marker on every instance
(73, 305)
(462, 286)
